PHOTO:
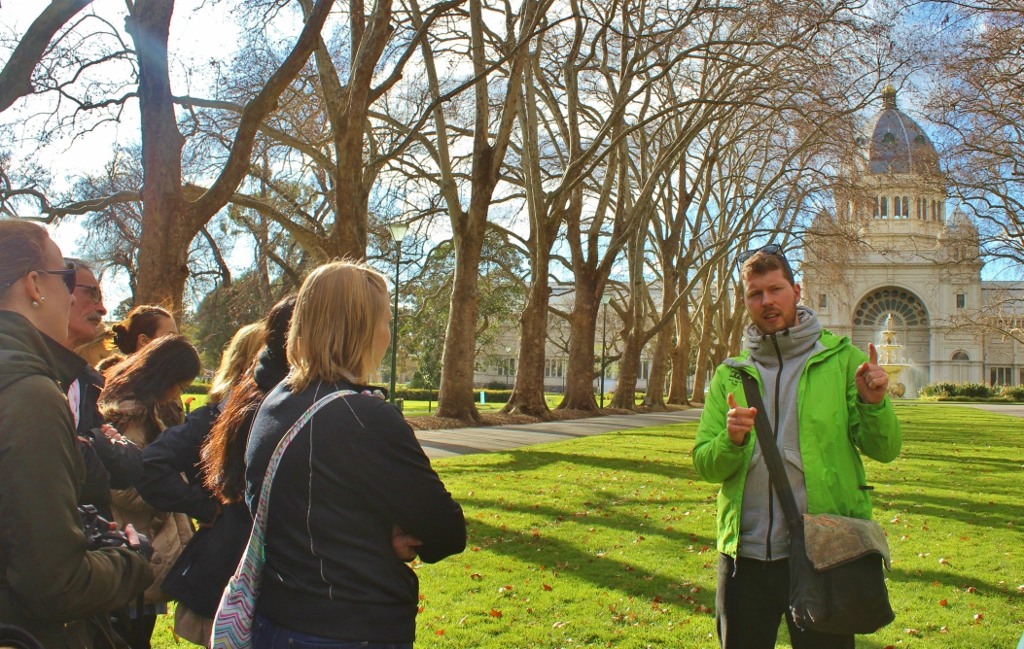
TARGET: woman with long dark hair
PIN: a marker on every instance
(52, 584)
(350, 483)
(135, 401)
(192, 580)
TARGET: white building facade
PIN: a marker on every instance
(890, 248)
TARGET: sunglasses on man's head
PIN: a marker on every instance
(94, 292)
(67, 275)
(770, 249)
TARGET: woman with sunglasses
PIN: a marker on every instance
(50, 583)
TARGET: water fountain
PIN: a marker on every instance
(890, 359)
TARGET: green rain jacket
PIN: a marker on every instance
(834, 426)
(50, 583)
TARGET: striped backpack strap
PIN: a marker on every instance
(232, 625)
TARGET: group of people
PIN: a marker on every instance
(354, 497)
(92, 428)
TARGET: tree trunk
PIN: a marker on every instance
(681, 357)
(166, 233)
(458, 361)
(528, 394)
(707, 339)
(655, 397)
(629, 369)
(579, 381)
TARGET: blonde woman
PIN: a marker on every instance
(238, 355)
(354, 497)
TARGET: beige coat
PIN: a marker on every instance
(169, 532)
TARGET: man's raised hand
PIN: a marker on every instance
(872, 381)
(739, 421)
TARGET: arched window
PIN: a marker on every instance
(906, 307)
(961, 356)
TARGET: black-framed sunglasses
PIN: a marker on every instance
(67, 275)
(94, 292)
(770, 249)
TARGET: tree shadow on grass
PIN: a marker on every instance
(534, 459)
(600, 514)
(601, 571)
(950, 579)
(1007, 465)
(960, 508)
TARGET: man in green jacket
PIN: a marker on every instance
(827, 404)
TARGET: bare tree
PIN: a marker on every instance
(16, 75)
(173, 213)
(978, 102)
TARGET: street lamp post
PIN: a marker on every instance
(605, 299)
(398, 231)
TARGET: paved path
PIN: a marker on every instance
(463, 441)
(1015, 409)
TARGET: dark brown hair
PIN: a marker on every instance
(223, 453)
(21, 250)
(763, 262)
(147, 376)
(142, 320)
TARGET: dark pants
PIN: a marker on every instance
(752, 599)
(136, 631)
(267, 635)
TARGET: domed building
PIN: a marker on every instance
(891, 249)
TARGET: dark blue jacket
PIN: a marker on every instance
(198, 577)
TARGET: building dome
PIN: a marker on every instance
(893, 143)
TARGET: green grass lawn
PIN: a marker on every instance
(608, 541)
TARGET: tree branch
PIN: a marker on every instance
(16, 77)
(254, 113)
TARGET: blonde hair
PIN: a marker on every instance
(237, 357)
(331, 337)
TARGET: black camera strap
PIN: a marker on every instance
(770, 453)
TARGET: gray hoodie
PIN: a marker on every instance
(779, 359)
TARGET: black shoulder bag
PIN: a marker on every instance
(836, 579)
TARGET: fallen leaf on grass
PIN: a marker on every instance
(943, 561)
(545, 587)
(978, 617)
(943, 602)
(970, 589)
(912, 632)
(494, 613)
(439, 632)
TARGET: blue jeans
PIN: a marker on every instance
(267, 635)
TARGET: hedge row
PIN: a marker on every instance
(197, 387)
(424, 394)
(948, 391)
